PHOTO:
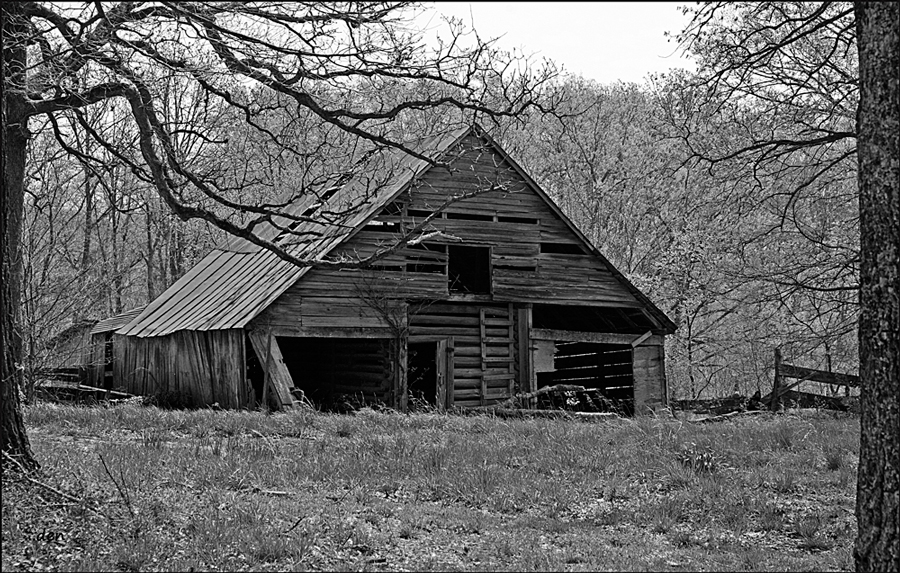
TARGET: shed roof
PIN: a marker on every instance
(116, 322)
(234, 283)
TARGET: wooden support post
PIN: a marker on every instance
(451, 356)
(527, 379)
(776, 387)
(483, 388)
(266, 370)
(511, 365)
(268, 352)
(441, 356)
(402, 372)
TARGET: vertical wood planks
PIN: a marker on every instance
(441, 367)
(451, 380)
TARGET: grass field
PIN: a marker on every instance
(150, 489)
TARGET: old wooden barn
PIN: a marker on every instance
(499, 293)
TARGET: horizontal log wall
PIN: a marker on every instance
(475, 382)
(294, 314)
(205, 366)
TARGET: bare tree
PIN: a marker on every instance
(831, 70)
(878, 128)
(347, 68)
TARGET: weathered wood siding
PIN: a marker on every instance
(512, 219)
(649, 378)
(206, 366)
(95, 360)
(293, 312)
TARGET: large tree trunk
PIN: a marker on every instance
(13, 439)
(878, 125)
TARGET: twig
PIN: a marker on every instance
(124, 495)
(728, 416)
(51, 488)
(293, 527)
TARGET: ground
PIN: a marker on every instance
(139, 488)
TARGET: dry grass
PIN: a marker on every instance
(172, 490)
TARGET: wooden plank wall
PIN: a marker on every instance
(480, 373)
(649, 378)
(343, 309)
(513, 220)
(207, 366)
(95, 360)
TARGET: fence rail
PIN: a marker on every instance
(801, 374)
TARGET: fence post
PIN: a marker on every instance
(776, 387)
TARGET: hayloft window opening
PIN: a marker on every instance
(469, 269)
(522, 220)
(562, 249)
(470, 217)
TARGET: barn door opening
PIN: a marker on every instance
(430, 374)
(340, 374)
(605, 367)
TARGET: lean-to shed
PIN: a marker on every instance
(499, 293)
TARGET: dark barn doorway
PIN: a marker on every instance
(605, 367)
(339, 373)
(422, 375)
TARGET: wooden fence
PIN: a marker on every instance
(801, 374)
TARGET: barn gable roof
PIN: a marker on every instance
(234, 283)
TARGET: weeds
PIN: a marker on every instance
(808, 529)
(782, 434)
(701, 460)
(771, 517)
(172, 489)
(834, 457)
(784, 481)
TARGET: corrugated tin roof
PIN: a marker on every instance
(116, 322)
(234, 283)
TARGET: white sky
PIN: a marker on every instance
(603, 41)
